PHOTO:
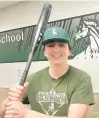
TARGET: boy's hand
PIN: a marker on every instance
(17, 92)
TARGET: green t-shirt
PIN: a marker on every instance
(53, 96)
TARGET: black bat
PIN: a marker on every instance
(38, 31)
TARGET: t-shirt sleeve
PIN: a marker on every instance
(25, 98)
(83, 92)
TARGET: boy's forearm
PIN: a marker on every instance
(3, 108)
(35, 114)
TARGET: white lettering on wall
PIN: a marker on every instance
(12, 38)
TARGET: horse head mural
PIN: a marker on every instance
(87, 39)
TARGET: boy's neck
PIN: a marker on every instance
(57, 71)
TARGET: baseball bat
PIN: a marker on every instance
(38, 32)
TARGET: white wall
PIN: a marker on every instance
(26, 14)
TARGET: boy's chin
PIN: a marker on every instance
(57, 62)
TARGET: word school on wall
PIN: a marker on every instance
(12, 38)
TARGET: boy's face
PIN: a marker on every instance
(57, 52)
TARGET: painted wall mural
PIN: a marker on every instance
(83, 32)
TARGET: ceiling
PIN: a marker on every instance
(4, 4)
(7, 3)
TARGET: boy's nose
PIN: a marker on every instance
(56, 48)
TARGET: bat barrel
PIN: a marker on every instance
(39, 30)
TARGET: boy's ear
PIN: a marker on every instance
(44, 52)
(43, 48)
(70, 52)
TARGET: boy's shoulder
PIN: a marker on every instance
(79, 72)
(33, 75)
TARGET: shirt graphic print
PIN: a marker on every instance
(51, 102)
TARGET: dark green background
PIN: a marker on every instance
(18, 51)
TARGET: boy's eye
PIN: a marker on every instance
(61, 45)
(51, 45)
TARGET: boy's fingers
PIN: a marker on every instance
(14, 99)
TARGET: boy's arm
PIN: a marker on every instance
(16, 108)
(13, 96)
(75, 111)
(3, 107)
